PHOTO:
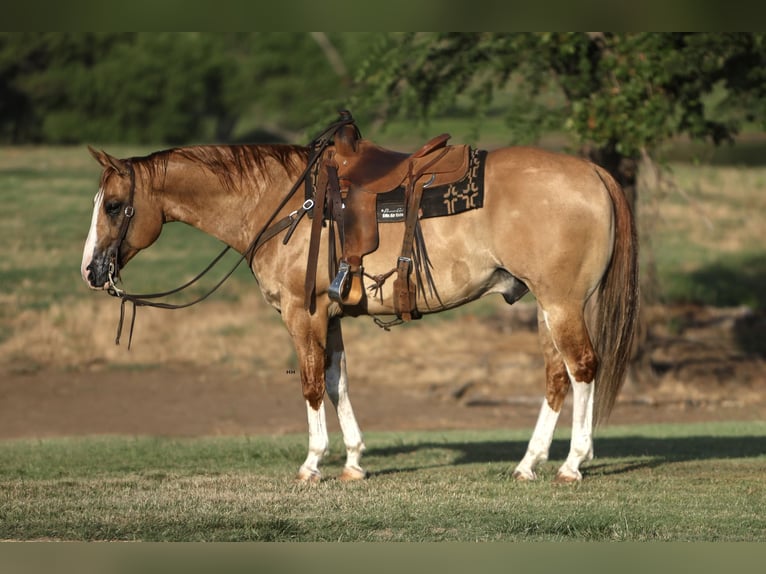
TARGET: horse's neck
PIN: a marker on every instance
(198, 197)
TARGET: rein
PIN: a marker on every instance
(267, 232)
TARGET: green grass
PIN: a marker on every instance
(654, 483)
(724, 282)
(703, 231)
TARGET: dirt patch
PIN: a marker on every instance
(469, 372)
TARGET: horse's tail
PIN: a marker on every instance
(617, 303)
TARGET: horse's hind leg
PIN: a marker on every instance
(336, 381)
(570, 359)
(570, 336)
(556, 388)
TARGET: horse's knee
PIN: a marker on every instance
(313, 395)
(313, 382)
(312, 365)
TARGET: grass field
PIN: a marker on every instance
(702, 226)
(648, 483)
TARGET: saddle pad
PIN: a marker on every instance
(449, 199)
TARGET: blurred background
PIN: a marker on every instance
(678, 118)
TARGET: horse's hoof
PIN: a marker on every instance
(308, 476)
(351, 473)
(567, 477)
(524, 475)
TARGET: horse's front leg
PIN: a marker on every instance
(318, 444)
(309, 335)
(336, 380)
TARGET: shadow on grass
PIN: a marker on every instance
(650, 452)
(736, 282)
(732, 282)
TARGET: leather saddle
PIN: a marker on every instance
(365, 170)
(374, 169)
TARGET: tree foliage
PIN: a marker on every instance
(158, 87)
(618, 93)
(626, 92)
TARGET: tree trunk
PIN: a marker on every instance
(623, 168)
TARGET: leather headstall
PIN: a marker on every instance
(128, 212)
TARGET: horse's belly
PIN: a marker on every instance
(462, 264)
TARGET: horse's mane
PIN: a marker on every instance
(235, 165)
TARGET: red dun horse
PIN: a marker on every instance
(552, 224)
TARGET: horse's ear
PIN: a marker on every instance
(107, 160)
(99, 156)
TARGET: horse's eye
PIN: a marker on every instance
(112, 208)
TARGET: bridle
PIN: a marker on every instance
(113, 253)
(268, 230)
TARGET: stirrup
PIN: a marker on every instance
(338, 285)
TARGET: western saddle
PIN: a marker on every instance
(352, 173)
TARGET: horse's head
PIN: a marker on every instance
(126, 218)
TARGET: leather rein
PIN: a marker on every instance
(267, 232)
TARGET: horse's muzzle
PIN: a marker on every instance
(96, 273)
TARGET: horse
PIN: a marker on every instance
(552, 224)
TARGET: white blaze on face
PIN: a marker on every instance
(90, 242)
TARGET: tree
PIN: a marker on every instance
(130, 87)
(36, 69)
(167, 87)
(616, 95)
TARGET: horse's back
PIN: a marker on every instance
(536, 176)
